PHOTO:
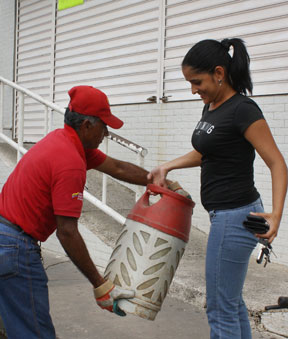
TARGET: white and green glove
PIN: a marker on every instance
(107, 296)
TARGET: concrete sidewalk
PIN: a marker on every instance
(76, 315)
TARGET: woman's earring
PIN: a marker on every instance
(220, 82)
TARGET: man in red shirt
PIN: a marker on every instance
(44, 193)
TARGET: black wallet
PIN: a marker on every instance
(256, 224)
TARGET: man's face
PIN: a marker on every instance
(93, 134)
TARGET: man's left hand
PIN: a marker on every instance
(107, 294)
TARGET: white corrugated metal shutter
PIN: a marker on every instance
(33, 66)
(111, 45)
(262, 24)
(118, 45)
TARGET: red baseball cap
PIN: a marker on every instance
(88, 100)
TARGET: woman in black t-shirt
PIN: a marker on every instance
(231, 128)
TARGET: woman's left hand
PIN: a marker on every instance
(274, 224)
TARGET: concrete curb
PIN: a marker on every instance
(276, 322)
(98, 250)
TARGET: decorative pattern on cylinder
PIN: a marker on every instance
(144, 260)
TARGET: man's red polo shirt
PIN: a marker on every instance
(49, 180)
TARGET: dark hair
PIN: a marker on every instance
(74, 119)
(207, 54)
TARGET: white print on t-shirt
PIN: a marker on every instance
(78, 196)
(205, 126)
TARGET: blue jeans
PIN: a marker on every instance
(228, 251)
(24, 303)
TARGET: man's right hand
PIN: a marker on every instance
(107, 294)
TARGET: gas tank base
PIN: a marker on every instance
(138, 307)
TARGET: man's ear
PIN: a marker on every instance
(86, 124)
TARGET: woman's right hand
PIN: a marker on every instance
(158, 176)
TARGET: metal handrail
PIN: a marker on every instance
(139, 150)
(128, 144)
(34, 96)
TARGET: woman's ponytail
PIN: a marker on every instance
(239, 67)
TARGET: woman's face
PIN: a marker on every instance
(204, 84)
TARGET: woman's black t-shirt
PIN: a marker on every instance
(227, 177)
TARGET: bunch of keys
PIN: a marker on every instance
(259, 225)
(265, 251)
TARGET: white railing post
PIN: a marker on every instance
(20, 125)
(50, 120)
(104, 180)
(1, 106)
(52, 59)
(140, 163)
(46, 120)
(161, 50)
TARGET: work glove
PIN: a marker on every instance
(175, 187)
(107, 296)
(256, 224)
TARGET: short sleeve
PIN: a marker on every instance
(67, 192)
(205, 109)
(94, 158)
(246, 113)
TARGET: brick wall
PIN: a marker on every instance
(165, 130)
(275, 110)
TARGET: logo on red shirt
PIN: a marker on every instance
(78, 196)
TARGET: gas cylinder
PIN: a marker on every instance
(148, 250)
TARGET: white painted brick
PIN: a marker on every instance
(275, 123)
(280, 99)
(156, 119)
(118, 109)
(261, 101)
(280, 115)
(281, 131)
(280, 139)
(273, 108)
